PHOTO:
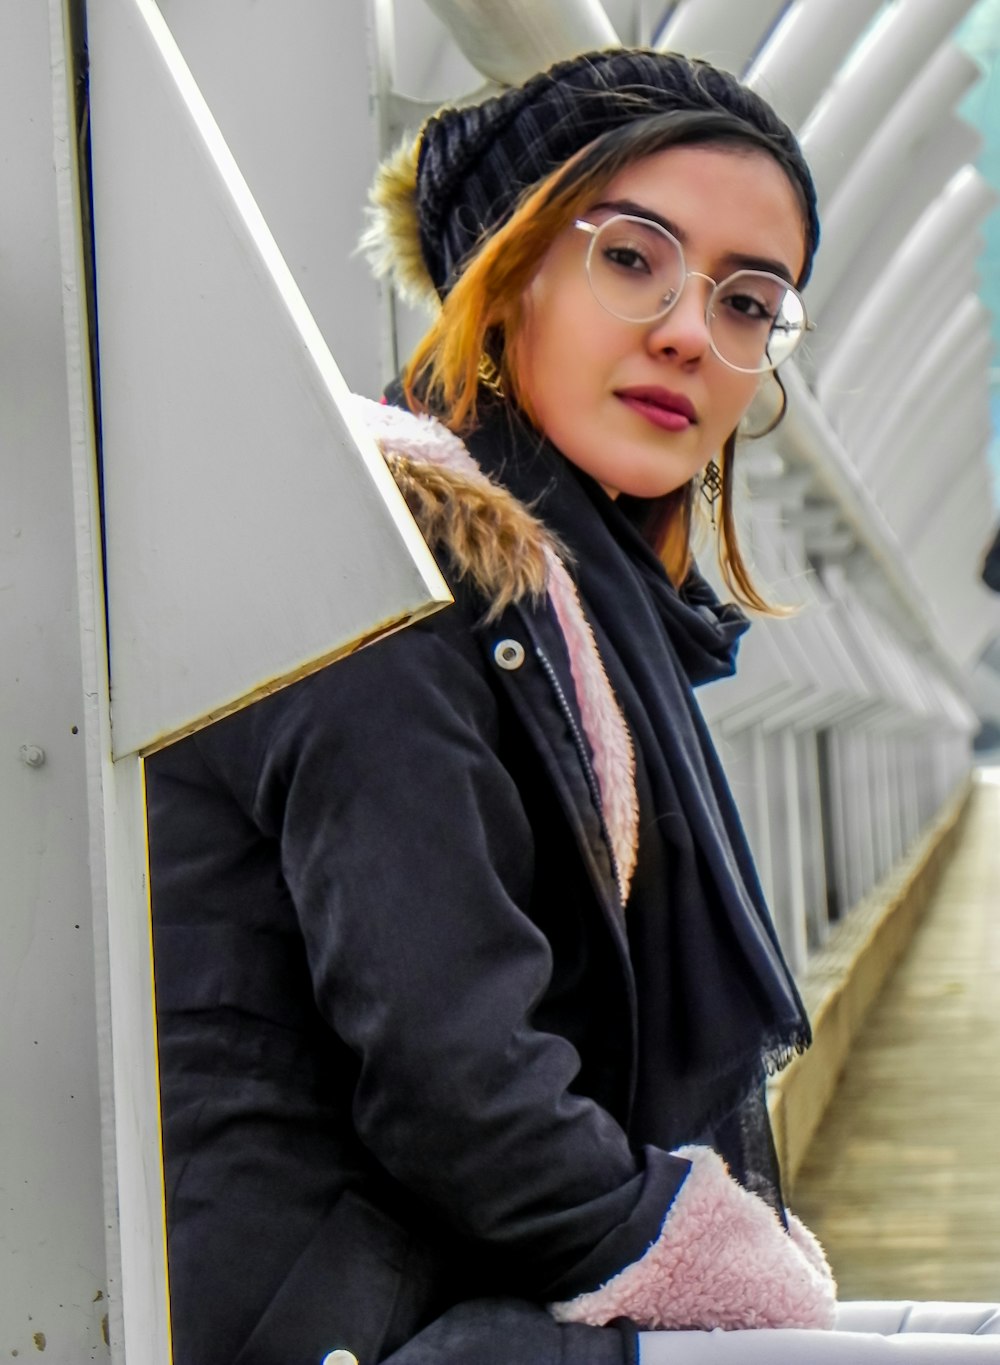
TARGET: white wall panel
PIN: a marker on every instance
(766, 681)
(54, 1282)
(946, 553)
(290, 87)
(253, 531)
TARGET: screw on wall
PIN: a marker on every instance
(32, 754)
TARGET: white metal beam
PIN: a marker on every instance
(960, 462)
(509, 40)
(946, 553)
(870, 183)
(809, 43)
(807, 438)
(419, 58)
(290, 89)
(892, 362)
(726, 34)
(909, 278)
(924, 174)
(872, 81)
(953, 399)
(969, 320)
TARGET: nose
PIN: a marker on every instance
(683, 332)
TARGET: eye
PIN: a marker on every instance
(749, 307)
(625, 256)
(751, 299)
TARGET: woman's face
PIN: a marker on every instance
(600, 387)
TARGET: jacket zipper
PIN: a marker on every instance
(581, 748)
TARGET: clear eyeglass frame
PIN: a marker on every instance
(768, 365)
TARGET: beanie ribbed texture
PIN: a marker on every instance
(475, 162)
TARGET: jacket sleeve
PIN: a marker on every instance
(722, 1260)
(410, 861)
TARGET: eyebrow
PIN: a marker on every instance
(737, 259)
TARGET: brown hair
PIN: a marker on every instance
(473, 341)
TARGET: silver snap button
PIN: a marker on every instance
(340, 1358)
(509, 654)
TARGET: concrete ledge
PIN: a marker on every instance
(843, 979)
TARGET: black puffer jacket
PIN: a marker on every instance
(396, 1009)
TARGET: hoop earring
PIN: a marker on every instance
(711, 487)
(773, 421)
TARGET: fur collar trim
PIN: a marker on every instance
(510, 557)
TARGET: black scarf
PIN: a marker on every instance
(718, 1007)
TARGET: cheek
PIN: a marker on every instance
(552, 369)
(734, 397)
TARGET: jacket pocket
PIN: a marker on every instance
(345, 1290)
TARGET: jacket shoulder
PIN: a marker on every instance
(486, 536)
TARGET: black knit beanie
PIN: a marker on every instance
(474, 163)
(436, 198)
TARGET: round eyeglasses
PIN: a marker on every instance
(637, 272)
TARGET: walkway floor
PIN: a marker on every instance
(902, 1182)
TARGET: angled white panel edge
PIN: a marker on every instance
(253, 531)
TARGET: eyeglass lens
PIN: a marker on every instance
(637, 271)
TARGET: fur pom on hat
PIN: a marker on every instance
(436, 198)
(391, 241)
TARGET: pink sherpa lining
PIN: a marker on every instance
(722, 1259)
(808, 1243)
(423, 438)
(610, 741)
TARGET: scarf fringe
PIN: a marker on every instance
(777, 1056)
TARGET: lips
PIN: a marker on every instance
(665, 409)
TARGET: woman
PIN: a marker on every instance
(465, 984)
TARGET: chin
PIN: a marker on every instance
(652, 487)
